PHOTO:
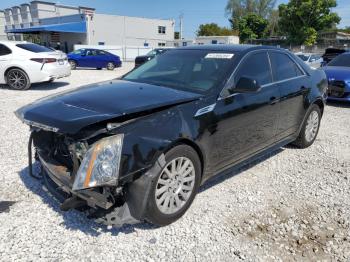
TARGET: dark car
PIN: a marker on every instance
(150, 55)
(93, 58)
(338, 75)
(331, 53)
(138, 148)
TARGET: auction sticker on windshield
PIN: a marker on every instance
(219, 56)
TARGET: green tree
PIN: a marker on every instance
(213, 29)
(300, 20)
(251, 26)
(237, 9)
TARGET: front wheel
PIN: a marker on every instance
(17, 79)
(310, 128)
(175, 186)
(73, 64)
(110, 66)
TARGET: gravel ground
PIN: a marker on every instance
(292, 205)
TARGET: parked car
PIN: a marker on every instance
(23, 63)
(313, 60)
(94, 58)
(139, 60)
(138, 148)
(338, 75)
(331, 53)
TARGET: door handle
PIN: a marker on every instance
(273, 100)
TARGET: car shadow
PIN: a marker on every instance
(236, 170)
(342, 104)
(76, 220)
(48, 86)
(41, 86)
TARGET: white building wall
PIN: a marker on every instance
(208, 40)
(130, 31)
(3, 35)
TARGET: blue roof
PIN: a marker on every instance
(76, 27)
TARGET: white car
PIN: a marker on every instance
(313, 60)
(24, 63)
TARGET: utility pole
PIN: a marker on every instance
(181, 17)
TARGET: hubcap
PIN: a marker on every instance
(110, 66)
(72, 64)
(311, 126)
(16, 79)
(175, 185)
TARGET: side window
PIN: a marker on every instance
(284, 67)
(257, 67)
(101, 52)
(4, 50)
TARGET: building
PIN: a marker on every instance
(217, 40)
(205, 40)
(3, 35)
(62, 27)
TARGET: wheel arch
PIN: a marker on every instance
(319, 102)
(15, 67)
(193, 145)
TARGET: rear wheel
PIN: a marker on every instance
(17, 79)
(176, 186)
(110, 66)
(73, 64)
(310, 128)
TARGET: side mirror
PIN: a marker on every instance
(246, 85)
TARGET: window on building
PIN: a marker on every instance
(214, 42)
(4, 50)
(101, 43)
(161, 30)
(161, 44)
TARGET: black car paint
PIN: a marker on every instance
(239, 126)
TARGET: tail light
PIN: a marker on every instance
(44, 60)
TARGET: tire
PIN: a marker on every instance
(310, 128)
(180, 193)
(17, 79)
(110, 66)
(73, 64)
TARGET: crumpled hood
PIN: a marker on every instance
(337, 73)
(71, 111)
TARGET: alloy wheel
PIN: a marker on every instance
(16, 79)
(312, 125)
(110, 66)
(175, 185)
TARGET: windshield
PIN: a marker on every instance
(191, 70)
(303, 57)
(78, 52)
(34, 48)
(341, 60)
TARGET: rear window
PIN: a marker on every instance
(34, 48)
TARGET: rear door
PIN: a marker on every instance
(294, 86)
(89, 59)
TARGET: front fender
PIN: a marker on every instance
(146, 139)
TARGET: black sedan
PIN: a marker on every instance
(149, 56)
(138, 148)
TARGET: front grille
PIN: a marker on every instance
(53, 146)
(336, 89)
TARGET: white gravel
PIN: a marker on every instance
(292, 205)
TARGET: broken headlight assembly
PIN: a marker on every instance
(100, 166)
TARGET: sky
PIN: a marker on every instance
(195, 12)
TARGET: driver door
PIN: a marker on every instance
(245, 123)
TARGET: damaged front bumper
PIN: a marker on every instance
(129, 209)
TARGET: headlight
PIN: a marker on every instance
(100, 165)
